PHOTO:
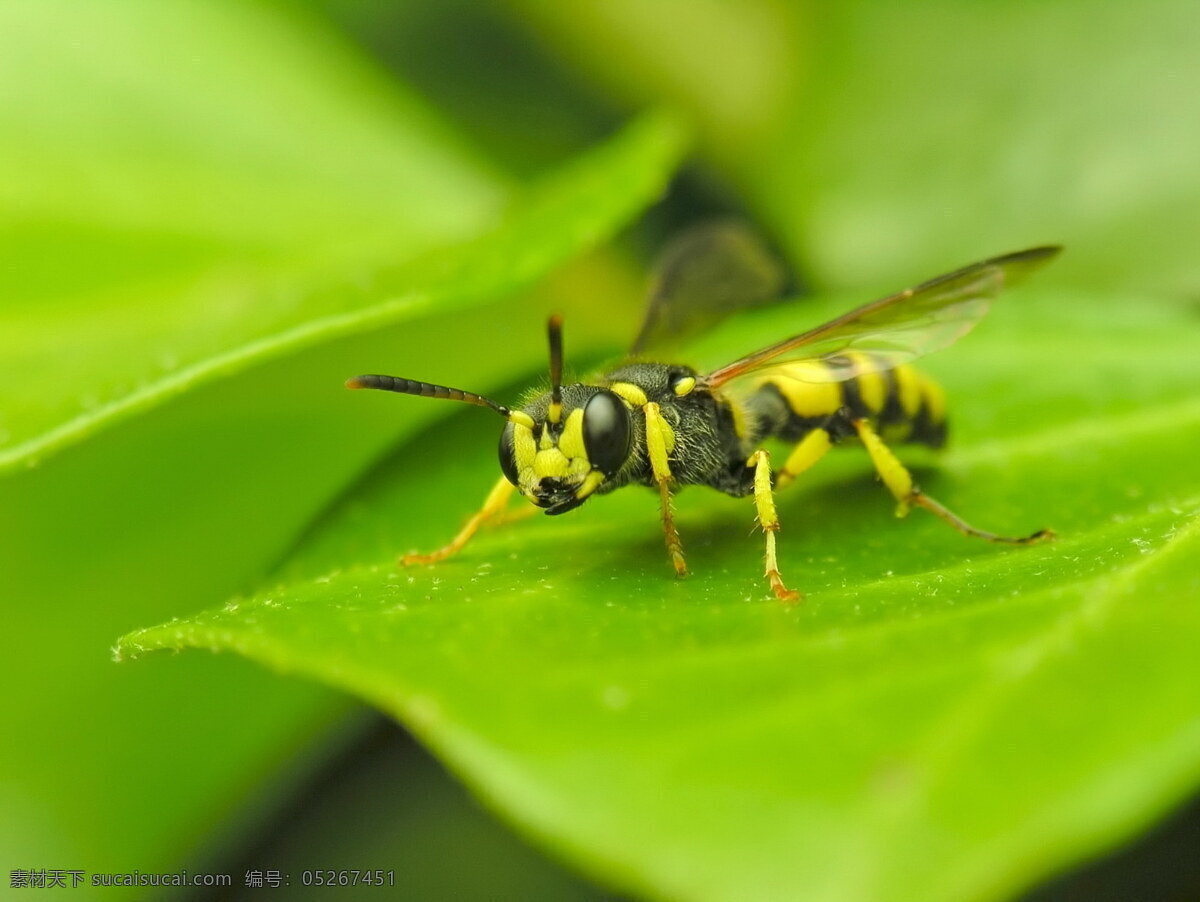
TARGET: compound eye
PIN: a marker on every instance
(606, 432)
(508, 458)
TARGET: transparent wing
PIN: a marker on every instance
(702, 276)
(891, 331)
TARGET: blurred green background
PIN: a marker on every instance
(208, 207)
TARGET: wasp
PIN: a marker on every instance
(667, 425)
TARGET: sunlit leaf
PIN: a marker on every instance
(218, 213)
(940, 719)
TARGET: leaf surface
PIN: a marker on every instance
(208, 237)
(222, 207)
(941, 718)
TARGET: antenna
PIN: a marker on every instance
(426, 390)
(554, 333)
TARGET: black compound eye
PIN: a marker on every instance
(508, 459)
(606, 432)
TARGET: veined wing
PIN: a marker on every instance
(703, 275)
(891, 331)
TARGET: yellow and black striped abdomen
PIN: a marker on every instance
(902, 404)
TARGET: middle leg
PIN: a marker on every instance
(768, 519)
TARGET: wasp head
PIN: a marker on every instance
(562, 447)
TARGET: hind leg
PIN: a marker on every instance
(900, 483)
(807, 453)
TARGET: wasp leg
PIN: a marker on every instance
(513, 515)
(656, 442)
(764, 502)
(900, 483)
(496, 501)
(807, 452)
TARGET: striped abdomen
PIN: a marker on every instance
(902, 404)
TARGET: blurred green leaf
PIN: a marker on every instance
(874, 137)
(388, 803)
(156, 301)
(941, 719)
(224, 208)
(945, 129)
(570, 212)
(188, 176)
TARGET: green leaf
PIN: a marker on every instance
(946, 131)
(391, 803)
(223, 208)
(874, 137)
(198, 215)
(219, 254)
(941, 719)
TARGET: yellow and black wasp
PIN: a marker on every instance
(666, 425)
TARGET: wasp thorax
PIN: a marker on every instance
(557, 465)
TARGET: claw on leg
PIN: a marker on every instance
(920, 499)
(906, 492)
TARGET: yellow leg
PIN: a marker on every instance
(900, 483)
(810, 449)
(514, 515)
(764, 502)
(658, 434)
(496, 501)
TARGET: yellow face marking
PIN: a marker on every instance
(908, 389)
(550, 462)
(684, 386)
(541, 458)
(524, 447)
(520, 418)
(629, 392)
(808, 399)
(872, 386)
(571, 440)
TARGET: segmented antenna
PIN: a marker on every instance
(425, 390)
(554, 333)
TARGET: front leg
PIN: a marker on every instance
(492, 509)
(657, 432)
